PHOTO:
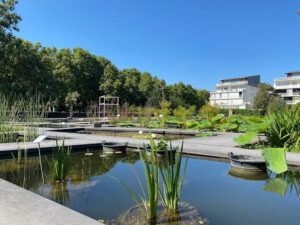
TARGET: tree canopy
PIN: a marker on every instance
(28, 69)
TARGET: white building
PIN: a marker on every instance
(235, 93)
(288, 87)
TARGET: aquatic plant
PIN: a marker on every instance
(275, 159)
(151, 171)
(60, 161)
(285, 129)
(172, 182)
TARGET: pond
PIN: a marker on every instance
(164, 137)
(209, 190)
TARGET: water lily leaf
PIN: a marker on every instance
(276, 185)
(246, 138)
(275, 159)
(217, 117)
(191, 124)
(260, 126)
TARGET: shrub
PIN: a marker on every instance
(208, 111)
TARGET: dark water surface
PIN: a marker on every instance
(218, 196)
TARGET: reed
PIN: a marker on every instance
(172, 178)
(59, 164)
(148, 207)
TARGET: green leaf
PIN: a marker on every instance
(216, 118)
(246, 138)
(275, 159)
(276, 185)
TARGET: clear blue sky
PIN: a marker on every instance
(194, 41)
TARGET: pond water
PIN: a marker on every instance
(209, 190)
(164, 137)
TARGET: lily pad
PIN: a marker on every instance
(275, 159)
(246, 138)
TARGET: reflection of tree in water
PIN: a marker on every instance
(81, 169)
(26, 174)
(185, 215)
(84, 167)
(293, 180)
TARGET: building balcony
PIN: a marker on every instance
(232, 84)
(286, 79)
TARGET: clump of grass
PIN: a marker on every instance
(60, 162)
(172, 178)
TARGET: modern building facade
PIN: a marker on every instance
(236, 93)
(288, 87)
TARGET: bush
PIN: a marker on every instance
(208, 111)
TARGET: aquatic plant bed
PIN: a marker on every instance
(210, 194)
(164, 137)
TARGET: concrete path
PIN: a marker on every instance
(215, 146)
(22, 207)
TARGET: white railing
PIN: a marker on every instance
(287, 78)
(231, 83)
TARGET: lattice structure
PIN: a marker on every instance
(108, 106)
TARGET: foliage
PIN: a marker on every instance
(172, 182)
(275, 159)
(60, 161)
(8, 19)
(208, 111)
(277, 105)
(72, 100)
(285, 130)
(151, 171)
(162, 146)
(264, 96)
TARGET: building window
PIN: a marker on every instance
(240, 94)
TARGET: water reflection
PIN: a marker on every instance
(248, 174)
(82, 168)
(186, 214)
(281, 183)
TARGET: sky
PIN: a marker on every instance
(194, 41)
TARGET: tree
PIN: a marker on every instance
(130, 92)
(157, 94)
(72, 101)
(111, 82)
(264, 96)
(8, 20)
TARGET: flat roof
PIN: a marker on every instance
(293, 72)
(240, 77)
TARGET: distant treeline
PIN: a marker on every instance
(74, 78)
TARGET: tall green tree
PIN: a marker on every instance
(111, 82)
(8, 20)
(264, 96)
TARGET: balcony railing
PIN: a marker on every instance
(287, 78)
(232, 83)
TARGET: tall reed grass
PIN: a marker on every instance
(172, 178)
(59, 164)
(26, 111)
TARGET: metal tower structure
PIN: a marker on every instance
(106, 106)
